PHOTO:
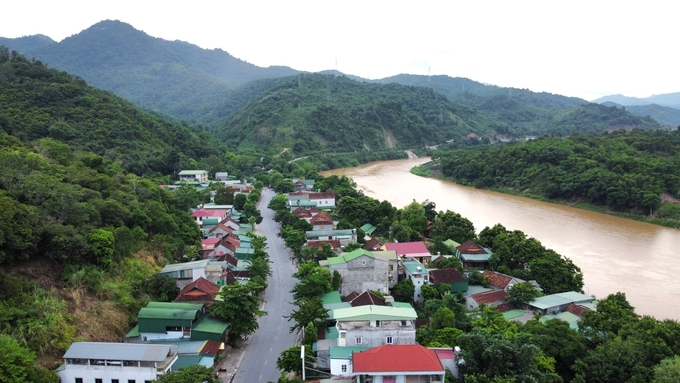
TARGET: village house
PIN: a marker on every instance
(321, 200)
(201, 214)
(489, 298)
(504, 281)
(176, 320)
(557, 303)
(397, 364)
(322, 221)
(410, 250)
(344, 236)
(472, 256)
(418, 274)
(186, 272)
(193, 175)
(371, 326)
(363, 270)
(199, 291)
(452, 277)
(86, 362)
(304, 185)
(318, 244)
(373, 244)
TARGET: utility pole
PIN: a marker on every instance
(302, 356)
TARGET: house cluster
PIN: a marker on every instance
(173, 335)
(200, 179)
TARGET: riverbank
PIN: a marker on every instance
(430, 170)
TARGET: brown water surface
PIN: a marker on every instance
(615, 254)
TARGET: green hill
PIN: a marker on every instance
(173, 77)
(311, 113)
(37, 102)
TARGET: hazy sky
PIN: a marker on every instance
(575, 48)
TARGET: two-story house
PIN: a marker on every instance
(410, 250)
(193, 175)
(472, 256)
(176, 320)
(418, 274)
(201, 214)
(321, 221)
(186, 272)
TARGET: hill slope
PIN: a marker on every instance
(173, 77)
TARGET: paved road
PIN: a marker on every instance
(265, 345)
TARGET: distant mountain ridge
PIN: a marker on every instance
(174, 77)
(671, 100)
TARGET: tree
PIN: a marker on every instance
(450, 225)
(429, 292)
(279, 202)
(310, 334)
(240, 201)
(559, 341)
(290, 360)
(351, 247)
(612, 314)
(224, 196)
(16, 364)
(404, 290)
(239, 307)
(308, 311)
(522, 293)
(192, 374)
(443, 318)
(101, 246)
(162, 287)
(668, 371)
(315, 281)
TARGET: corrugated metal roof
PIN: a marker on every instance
(211, 325)
(118, 351)
(559, 299)
(339, 352)
(372, 312)
(163, 313)
(475, 257)
(190, 360)
(185, 266)
(332, 297)
(175, 305)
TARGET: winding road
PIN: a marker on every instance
(267, 343)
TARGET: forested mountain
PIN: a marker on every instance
(671, 100)
(455, 86)
(325, 113)
(663, 114)
(624, 171)
(37, 103)
(174, 77)
(27, 43)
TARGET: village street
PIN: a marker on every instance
(258, 363)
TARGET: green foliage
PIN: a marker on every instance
(612, 314)
(522, 293)
(239, 307)
(403, 291)
(450, 225)
(161, 287)
(290, 360)
(192, 374)
(16, 364)
(668, 371)
(310, 335)
(278, 203)
(314, 280)
(337, 280)
(624, 171)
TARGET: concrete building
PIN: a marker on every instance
(193, 175)
(363, 270)
(418, 274)
(398, 364)
(372, 326)
(98, 362)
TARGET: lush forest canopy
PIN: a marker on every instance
(621, 170)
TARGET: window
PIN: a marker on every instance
(357, 340)
(403, 323)
(131, 381)
(114, 380)
(344, 368)
(363, 262)
(98, 380)
(389, 340)
(79, 380)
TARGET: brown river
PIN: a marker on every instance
(614, 254)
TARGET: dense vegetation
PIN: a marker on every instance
(314, 113)
(624, 171)
(173, 77)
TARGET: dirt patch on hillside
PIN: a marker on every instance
(667, 198)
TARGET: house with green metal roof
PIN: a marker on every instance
(557, 303)
(341, 359)
(372, 326)
(418, 274)
(345, 236)
(176, 320)
(186, 272)
(472, 256)
(368, 228)
(363, 270)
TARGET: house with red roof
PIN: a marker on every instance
(489, 298)
(397, 363)
(452, 277)
(200, 290)
(208, 246)
(200, 214)
(318, 244)
(322, 221)
(373, 244)
(414, 250)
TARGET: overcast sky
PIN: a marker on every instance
(576, 48)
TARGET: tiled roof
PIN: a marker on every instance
(367, 298)
(222, 226)
(469, 247)
(231, 259)
(211, 347)
(490, 296)
(452, 275)
(321, 219)
(576, 309)
(318, 244)
(301, 212)
(497, 279)
(397, 358)
(322, 195)
(350, 296)
(198, 290)
(372, 244)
